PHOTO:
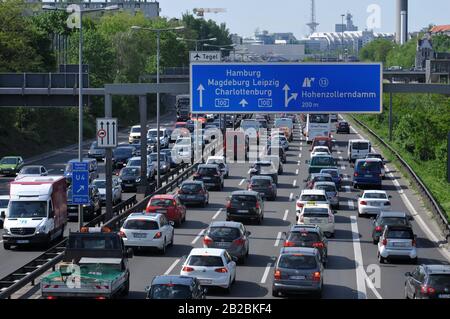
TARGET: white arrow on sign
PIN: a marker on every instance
(288, 99)
(243, 103)
(80, 189)
(200, 90)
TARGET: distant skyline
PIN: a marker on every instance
(245, 16)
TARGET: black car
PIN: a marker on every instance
(90, 210)
(264, 168)
(130, 178)
(276, 150)
(175, 287)
(343, 127)
(121, 155)
(193, 192)
(307, 236)
(211, 176)
(428, 282)
(263, 185)
(245, 205)
(385, 218)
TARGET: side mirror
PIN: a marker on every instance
(2, 215)
(307, 162)
(172, 223)
(247, 233)
(390, 196)
(51, 214)
(129, 253)
(334, 212)
(410, 218)
(297, 197)
(284, 234)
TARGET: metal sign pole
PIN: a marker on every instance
(390, 117)
(143, 119)
(108, 164)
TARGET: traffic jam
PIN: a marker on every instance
(304, 182)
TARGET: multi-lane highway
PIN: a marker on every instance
(353, 270)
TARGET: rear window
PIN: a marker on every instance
(368, 166)
(331, 172)
(441, 280)
(393, 221)
(170, 291)
(375, 196)
(313, 198)
(326, 188)
(360, 146)
(207, 171)
(85, 242)
(400, 234)
(191, 187)
(137, 224)
(206, 261)
(297, 262)
(305, 237)
(323, 179)
(315, 212)
(260, 182)
(321, 143)
(225, 233)
(322, 161)
(243, 198)
(161, 202)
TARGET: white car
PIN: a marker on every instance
(220, 160)
(372, 202)
(116, 189)
(32, 170)
(135, 134)
(4, 201)
(318, 150)
(211, 266)
(320, 215)
(163, 136)
(147, 230)
(310, 196)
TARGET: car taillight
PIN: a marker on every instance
(196, 174)
(300, 205)
(250, 187)
(122, 234)
(239, 241)
(413, 242)
(301, 218)
(277, 274)
(288, 243)
(427, 290)
(387, 204)
(100, 298)
(316, 276)
(221, 270)
(318, 245)
(188, 269)
(378, 228)
(384, 242)
(50, 298)
(180, 191)
(355, 174)
(228, 204)
(158, 235)
(207, 240)
(257, 206)
(363, 202)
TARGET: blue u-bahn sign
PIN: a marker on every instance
(286, 88)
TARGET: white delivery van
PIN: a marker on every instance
(37, 211)
(358, 149)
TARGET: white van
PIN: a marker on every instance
(358, 149)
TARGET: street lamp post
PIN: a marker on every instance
(342, 34)
(196, 41)
(158, 146)
(76, 9)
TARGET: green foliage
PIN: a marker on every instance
(403, 55)
(441, 43)
(377, 50)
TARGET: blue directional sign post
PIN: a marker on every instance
(286, 88)
(80, 183)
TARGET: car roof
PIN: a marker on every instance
(299, 250)
(321, 175)
(374, 191)
(313, 192)
(134, 158)
(192, 182)
(373, 159)
(173, 279)
(244, 193)
(144, 215)
(437, 269)
(225, 224)
(207, 166)
(4, 197)
(207, 251)
(393, 214)
(329, 169)
(216, 158)
(263, 162)
(399, 227)
(262, 177)
(27, 166)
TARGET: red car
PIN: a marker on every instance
(322, 141)
(169, 205)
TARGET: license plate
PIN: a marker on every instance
(138, 235)
(315, 220)
(399, 244)
(297, 277)
(161, 211)
(191, 197)
(242, 211)
(311, 203)
(368, 175)
(207, 178)
(23, 241)
(376, 204)
(446, 296)
(205, 281)
(128, 185)
(222, 244)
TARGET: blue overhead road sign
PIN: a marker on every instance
(80, 184)
(286, 88)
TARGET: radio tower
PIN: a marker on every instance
(313, 24)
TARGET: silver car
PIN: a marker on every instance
(397, 242)
(231, 236)
(116, 189)
(331, 192)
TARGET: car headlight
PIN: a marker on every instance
(40, 229)
(6, 231)
(138, 180)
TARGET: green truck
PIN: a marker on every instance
(319, 162)
(95, 265)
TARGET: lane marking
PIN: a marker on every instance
(291, 196)
(277, 241)
(197, 238)
(294, 183)
(296, 171)
(301, 149)
(339, 152)
(217, 214)
(372, 287)
(242, 182)
(343, 167)
(168, 271)
(286, 212)
(298, 163)
(300, 155)
(249, 171)
(360, 273)
(341, 158)
(351, 205)
(347, 189)
(266, 273)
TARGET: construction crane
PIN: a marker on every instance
(200, 12)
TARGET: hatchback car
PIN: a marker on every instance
(331, 192)
(231, 236)
(175, 287)
(116, 189)
(307, 236)
(279, 141)
(264, 168)
(210, 175)
(343, 127)
(298, 270)
(141, 230)
(274, 150)
(32, 170)
(319, 162)
(211, 266)
(428, 282)
(220, 160)
(164, 164)
(372, 202)
(397, 242)
(320, 215)
(275, 160)
(121, 155)
(245, 205)
(168, 205)
(385, 218)
(11, 165)
(367, 172)
(264, 185)
(337, 177)
(130, 178)
(317, 177)
(193, 192)
(96, 152)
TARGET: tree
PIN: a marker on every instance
(377, 50)
(403, 55)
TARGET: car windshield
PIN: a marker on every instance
(9, 160)
(93, 145)
(321, 143)
(322, 178)
(319, 118)
(4, 203)
(321, 149)
(100, 183)
(161, 202)
(136, 162)
(393, 221)
(360, 146)
(135, 130)
(130, 171)
(123, 151)
(313, 198)
(322, 161)
(140, 224)
(297, 261)
(304, 237)
(170, 291)
(225, 233)
(154, 133)
(27, 209)
(191, 187)
(250, 124)
(30, 170)
(375, 196)
(205, 261)
(326, 188)
(439, 280)
(315, 212)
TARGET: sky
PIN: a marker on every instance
(245, 16)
